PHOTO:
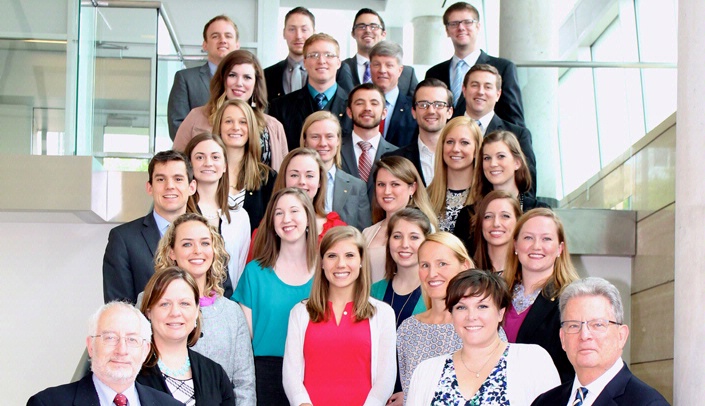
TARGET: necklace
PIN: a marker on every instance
(174, 372)
(403, 306)
(477, 373)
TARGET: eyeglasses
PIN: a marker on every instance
(114, 339)
(318, 55)
(363, 27)
(424, 105)
(455, 24)
(596, 326)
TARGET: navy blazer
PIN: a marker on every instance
(402, 125)
(128, 262)
(525, 142)
(411, 152)
(191, 89)
(348, 77)
(347, 152)
(211, 384)
(274, 77)
(84, 393)
(350, 200)
(624, 389)
(292, 109)
(509, 106)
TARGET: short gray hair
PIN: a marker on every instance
(388, 48)
(145, 326)
(594, 287)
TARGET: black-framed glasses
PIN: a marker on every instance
(363, 27)
(455, 24)
(596, 325)
(424, 105)
(112, 340)
(318, 55)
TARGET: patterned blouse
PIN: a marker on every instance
(455, 200)
(492, 392)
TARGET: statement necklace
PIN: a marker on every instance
(174, 372)
(477, 373)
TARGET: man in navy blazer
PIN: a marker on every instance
(118, 343)
(593, 335)
(191, 86)
(462, 22)
(290, 75)
(322, 61)
(368, 30)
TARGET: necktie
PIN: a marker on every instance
(296, 78)
(580, 396)
(479, 124)
(321, 100)
(120, 400)
(457, 85)
(367, 77)
(364, 164)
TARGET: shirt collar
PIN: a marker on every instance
(471, 59)
(332, 171)
(291, 63)
(162, 223)
(423, 148)
(361, 60)
(330, 92)
(374, 140)
(106, 395)
(598, 385)
(392, 96)
(212, 67)
(485, 120)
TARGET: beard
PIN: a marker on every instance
(116, 374)
(361, 124)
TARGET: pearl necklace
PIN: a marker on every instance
(174, 372)
(477, 373)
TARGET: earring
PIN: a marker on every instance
(195, 324)
(515, 253)
(306, 229)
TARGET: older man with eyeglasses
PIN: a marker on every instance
(593, 335)
(118, 342)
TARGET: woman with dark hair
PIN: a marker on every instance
(497, 214)
(485, 370)
(238, 76)
(340, 318)
(170, 303)
(281, 275)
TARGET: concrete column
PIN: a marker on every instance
(430, 41)
(528, 32)
(689, 323)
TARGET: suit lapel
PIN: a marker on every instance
(614, 389)
(347, 152)
(150, 233)
(205, 75)
(536, 316)
(340, 189)
(86, 394)
(399, 107)
(495, 124)
(352, 63)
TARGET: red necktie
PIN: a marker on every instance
(364, 164)
(120, 400)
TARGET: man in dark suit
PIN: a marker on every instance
(432, 107)
(593, 335)
(118, 344)
(482, 89)
(128, 262)
(322, 61)
(462, 22)
(368, 30)
(290, 75)
(398, 126)
(191, 86)
(364, 145)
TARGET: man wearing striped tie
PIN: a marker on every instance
(593, 335)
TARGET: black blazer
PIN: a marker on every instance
(541, 326)
(402, 125)
(292, 109)
(525, 142)
(274, 77)
(83, 393)
(256, 202)
(211, 383)
(349, 164)
(128, 262)
(348, 77)
(624, 389)
(509, 106)
(411, 152)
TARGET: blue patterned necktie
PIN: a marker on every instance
(367, 77)
(580, 394)
(457, 85)
(320, 100)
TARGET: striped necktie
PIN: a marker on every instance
(364, 163)
(580, 394)
(457, 84)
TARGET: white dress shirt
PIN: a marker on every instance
(484, 120)
(361, 61)
(373, 151)
(427, 158)
(596, 387)
(106, 395)
(470, 61)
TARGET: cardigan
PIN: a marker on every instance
(383, 332)
(211, 383)
(530, 372)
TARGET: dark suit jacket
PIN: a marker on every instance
(256, 202)
(191, 89)
(350, 200)
(411, 152)
(347, 152)
(274, 77)
(509, 106)
(402, 125)
(623, 389)
(128, 262)
(348, 78)
(211, 384)
(292, 109)
(525, 142)
(83, 393)
(541, 326)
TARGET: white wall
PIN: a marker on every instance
(52, 283)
